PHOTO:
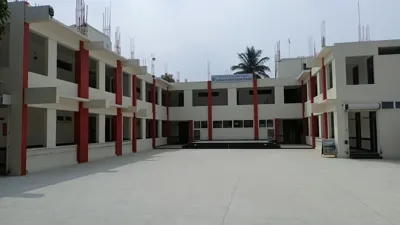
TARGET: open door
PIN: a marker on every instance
(183, 132)
(3, 140)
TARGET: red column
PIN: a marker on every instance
(118, 101)
(191, 137)
(255, 108)
(277, 131)
(326, 125)
(24, 117)
(82, 116)
(153, 104)
(324, 93)
(313, 128)
(210, 122)
(303, 101)
(167, 98)
(134, 122)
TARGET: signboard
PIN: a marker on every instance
(329, 147)
(232, 78)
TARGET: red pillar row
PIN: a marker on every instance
(191, 137)
(82, 116)
(153, 104)
(24, 117)
(167, 98)
(255, 108)
(134, 122)
(210, 123)
(118, 101)
(324, 92)
(326, 125)
(277, 131)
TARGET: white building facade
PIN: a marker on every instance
(67, 98)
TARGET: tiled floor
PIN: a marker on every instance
(232, 187)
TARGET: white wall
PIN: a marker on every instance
(49, 158)
(65, 129)
(290, 67)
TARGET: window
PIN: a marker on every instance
(270, 123)
(261, 92)
(204, 124)
(397, 105)
(217, 124)
(370, 70)
(248, 123)
(263, 123)
(392, 50)
(60, 118)
(387, 105)
(196, 124)
(238, 123)
(205, 94)
(330, 76)
(293, 94)
(64, 65)
(271, 133)
(227, 124)
(68, 118)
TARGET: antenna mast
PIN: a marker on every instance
(359, 23)
(153, 60)
(323, 34)
(118, 41)
(132, 48)
(81, 16)
(277, 56)
(208, 70)
(178, 76)
(107, 21)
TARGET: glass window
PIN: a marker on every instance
(263, 123)
(204, 124)
(196, 124)
(270, 123)
(227, 124)
(217, 124)
(397, 105)
(248, 123)
(238, 123)
(271, 133)
(387, 105)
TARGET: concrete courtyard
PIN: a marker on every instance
(186, 187)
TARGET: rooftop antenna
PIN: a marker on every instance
(359, 22)
(310, 46)
(289, 46)
(323, 34)
(186, 80)
(166, 68)
(153, 60)
(368, 34)
(178, 76)
(277, 56)
(81, 16)
(208, 70)
(132, 48)
(315, 50)
(107, 21)
(118, 41)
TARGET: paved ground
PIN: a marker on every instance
(186, 187)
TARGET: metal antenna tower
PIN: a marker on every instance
(368, 33)
(153, 61)
(208, 70)
(323, 34)
(81, 16)
(107, 21)
(118, 41)
(359, 23)
(277, 56)
(178, 76)
(132, 48)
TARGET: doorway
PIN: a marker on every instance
(363, 135)
(183, 132)
(3, 141)
(292, 131)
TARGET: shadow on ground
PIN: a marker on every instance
(17, 186)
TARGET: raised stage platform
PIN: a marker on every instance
(232, 144)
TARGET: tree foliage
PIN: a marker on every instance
(251, 61)
(168, 77)
(4, 15)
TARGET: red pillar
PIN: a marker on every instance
(326, 125)
(255, 108)
(153, 104)
(82, 116)
(313, 128)
(167, 98)
(303, 101)
(118, 101)
(191, 137)
(24, 117)
(277, 131)
(324, 93)
(134, 122)
(210, 122)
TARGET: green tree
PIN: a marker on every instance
(168, 77)
(251, 61)
(4, 15)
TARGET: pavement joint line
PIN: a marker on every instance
(230, 201)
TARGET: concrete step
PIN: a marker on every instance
(364, 155)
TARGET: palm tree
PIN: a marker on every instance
(251, 62)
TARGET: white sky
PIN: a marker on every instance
(184, 34)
